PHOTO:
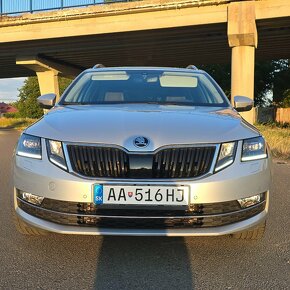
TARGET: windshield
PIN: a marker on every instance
(137, 86)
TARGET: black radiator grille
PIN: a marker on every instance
(99, 161)
(185, 162)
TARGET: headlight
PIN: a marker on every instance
(55, 153)
(29, 146)
(253, 149)
(226, 155)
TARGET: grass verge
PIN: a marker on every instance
(278, 139)
(15, 123)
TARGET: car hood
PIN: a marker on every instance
(162, 125)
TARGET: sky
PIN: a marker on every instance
(8, 89)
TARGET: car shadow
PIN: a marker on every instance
(143, 263)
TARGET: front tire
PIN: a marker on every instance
(254, 234)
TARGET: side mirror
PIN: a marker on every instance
(243, 104)
(47, 101)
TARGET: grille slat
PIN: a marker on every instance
(207, 157)
(74, 160)
(98, 162)
(78, 160)
(183, 162)
(122, 164)
(174, 158)
(184, 153)
(198, 161)
(191, 162)
(91, 158)
(83, 166)
(202, 164)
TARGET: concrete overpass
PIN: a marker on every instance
(154, 33)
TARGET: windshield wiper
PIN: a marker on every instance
(161, 103)
(74, 103)
(178, 104)
(124, 103)
(169, 103)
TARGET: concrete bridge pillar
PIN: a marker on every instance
(243, 39)
(48, 82)
(47, 75)
(47, 72)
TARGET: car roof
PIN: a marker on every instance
(144, 68)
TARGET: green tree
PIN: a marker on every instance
(63, 84)
(281, 84)
(27, 104)
(286, 101)
(28, 94)
(270, 76)
(222, 75)
(264, 73)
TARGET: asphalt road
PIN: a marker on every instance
(85, 262)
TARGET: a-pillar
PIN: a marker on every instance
(243, 39)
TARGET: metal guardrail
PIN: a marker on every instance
(10, 7)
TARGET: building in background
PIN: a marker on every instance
(6, 108)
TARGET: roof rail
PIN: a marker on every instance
(191, 66)
(99, 65)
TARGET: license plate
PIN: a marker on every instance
(141, 195)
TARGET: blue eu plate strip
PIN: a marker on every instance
(98, 194)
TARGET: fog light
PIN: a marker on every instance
(31, 198)
(250, 201)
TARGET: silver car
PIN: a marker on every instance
(144, 152)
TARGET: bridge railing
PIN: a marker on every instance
(8, 7)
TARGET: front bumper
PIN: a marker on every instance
(241, 179)
(79, 230)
